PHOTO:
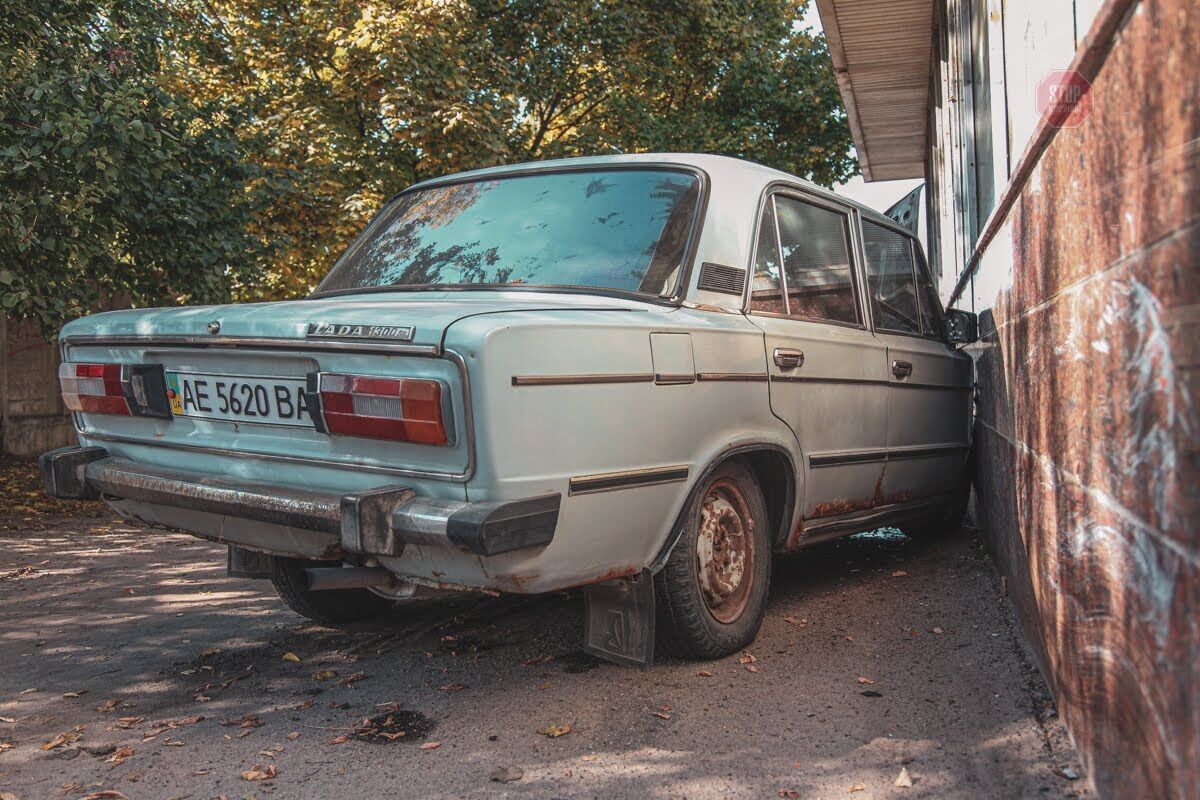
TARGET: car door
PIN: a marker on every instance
(929, 381)
(827, 372)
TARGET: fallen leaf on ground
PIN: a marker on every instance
(350, 680)
(306, 705)
(899, 574)
(507, 774)
(107, 706)
(323, 675)
(212, 651)
(704, 673)
(452, 687)
(858, 787)
(747, 658)
(904, 780)
(554, 731)
(105, 794)
(169, 742)
(794, 621)
(202, 698)
(293, 736)
(6, 746)
(937, 631)
(245, 721)
(73, 695)
(865, 681)
(751, 668)
(64, 738)
(9, 720)
(260, 773)
(660, 715)
(120, 756)
(292, 657)
(29, 691)
(431, 745)
(129, 722)
(529, 662)
(341, 739)
(790, 794)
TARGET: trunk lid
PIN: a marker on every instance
(269, 345)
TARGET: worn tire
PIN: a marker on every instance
(688, 623)
(329, 607)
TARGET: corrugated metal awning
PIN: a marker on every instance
(881, 54)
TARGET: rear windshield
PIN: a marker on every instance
(624, 230)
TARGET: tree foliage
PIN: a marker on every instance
(111, 188)
(288, 122)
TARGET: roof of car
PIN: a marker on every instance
(713, 165)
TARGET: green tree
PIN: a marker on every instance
(111, 188)
(360, 98)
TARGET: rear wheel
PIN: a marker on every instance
(712, 594)
(328, 606)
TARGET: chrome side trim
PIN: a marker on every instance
(926, 451)
(837, 459)
(579, 380)
(613, 481)
(754, 377)
(840, 458)
(672, 379)
(261, 342)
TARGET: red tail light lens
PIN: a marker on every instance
(399, 409)
(93, 388)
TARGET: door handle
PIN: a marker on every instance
(901, 369)
(787, 358)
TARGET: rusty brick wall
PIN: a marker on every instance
(1089, 434)
(34, 419)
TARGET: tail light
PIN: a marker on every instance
(128, 390)
(399, 409)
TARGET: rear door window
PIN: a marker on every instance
(890, 279)
(767, 293)
(930, 303)
(815, 245)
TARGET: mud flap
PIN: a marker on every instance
(619, 620)
(245, 563)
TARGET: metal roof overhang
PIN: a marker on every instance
(881, 51)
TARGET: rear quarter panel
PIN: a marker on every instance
(532, 440)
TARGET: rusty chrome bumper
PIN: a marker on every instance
(376, 522)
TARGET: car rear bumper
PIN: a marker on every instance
(377, 522)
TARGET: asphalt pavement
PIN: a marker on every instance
(129, 663)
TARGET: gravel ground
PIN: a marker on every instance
(155, 676)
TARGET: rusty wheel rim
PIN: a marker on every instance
(725, 550)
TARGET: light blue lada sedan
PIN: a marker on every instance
(642, 375)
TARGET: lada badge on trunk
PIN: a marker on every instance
(331, 330)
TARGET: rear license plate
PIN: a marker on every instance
(238, 398)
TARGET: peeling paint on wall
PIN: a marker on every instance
(1089, 430)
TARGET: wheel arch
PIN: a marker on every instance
(775, 472)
